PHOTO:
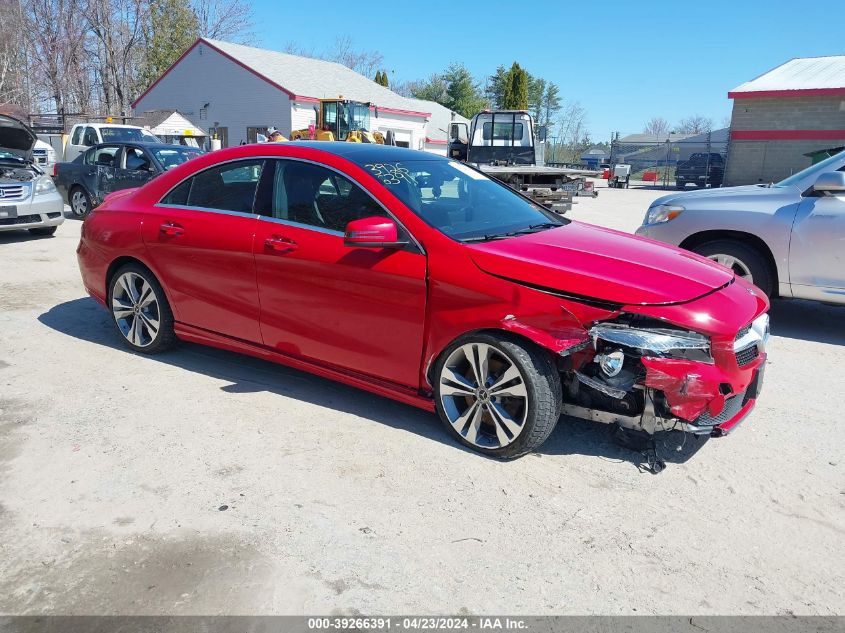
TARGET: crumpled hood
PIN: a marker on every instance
(16, 137)
(586, 261)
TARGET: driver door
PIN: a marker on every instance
(136, 168)
(816, 253)
(359, 309)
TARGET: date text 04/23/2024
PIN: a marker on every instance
(416, 623)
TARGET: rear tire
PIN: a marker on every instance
(80, 201)
(140, 310)
(44, 231)
(745, 260)
(516, 406)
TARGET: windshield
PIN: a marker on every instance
(169, 157)
(834, 163)
(461, 202)
(126, 135)
(359, 114)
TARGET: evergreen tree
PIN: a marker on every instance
(172, 26)
(495, 91)
(516, 89)
(463, 94)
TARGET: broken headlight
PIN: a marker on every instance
(669, 343)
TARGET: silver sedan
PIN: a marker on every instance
(787, 238)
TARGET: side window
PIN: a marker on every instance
(179, 195)
(90, 137)
(316, 196)
(228, 187)
(103, 156)
(76, 139)
(136, 159)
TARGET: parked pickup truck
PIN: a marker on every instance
(109, 167)
(700, 170)
(85, 135)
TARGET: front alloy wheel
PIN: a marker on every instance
(498, 395)
(140, 310)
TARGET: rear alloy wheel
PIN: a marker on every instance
(744, 260)
(80, 202)
(140, 310)
(498, 395)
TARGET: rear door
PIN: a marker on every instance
(361, 309)
(199, 240)
(101, 164)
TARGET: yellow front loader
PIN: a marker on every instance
(341, 120)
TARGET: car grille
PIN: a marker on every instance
(742, 332)
(53, 216)
(21, 219)
(40, 156)
(731, 408)
(745, 356)
(13, 192)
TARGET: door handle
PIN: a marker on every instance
(280, 244)
(172, 229)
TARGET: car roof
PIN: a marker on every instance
(148, 145)
(367, 152)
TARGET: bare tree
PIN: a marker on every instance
(56, 35)
(117, 27)
(572, 128)
(362, 62)
(657, 125)
(13, 79)
(225, 19)
(697, 124)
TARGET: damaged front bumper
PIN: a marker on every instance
(661, 387)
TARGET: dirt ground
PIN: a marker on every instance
(203, 482)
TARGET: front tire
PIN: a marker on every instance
(745, 260)
(140, 310)
(499, 395)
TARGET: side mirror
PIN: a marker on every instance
(373, 232)
(830, 182)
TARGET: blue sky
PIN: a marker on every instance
(624, 61)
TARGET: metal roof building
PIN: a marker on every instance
(238, 91)
(782, 116)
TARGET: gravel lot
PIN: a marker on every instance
(203, 482)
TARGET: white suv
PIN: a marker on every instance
(28, 197)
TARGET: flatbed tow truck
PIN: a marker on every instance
(502, 144)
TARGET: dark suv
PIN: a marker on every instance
(701, 169)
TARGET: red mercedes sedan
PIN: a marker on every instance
(420, 279)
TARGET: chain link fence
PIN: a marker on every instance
(697, 161)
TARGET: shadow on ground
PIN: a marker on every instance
(86, 320)
(808, 321)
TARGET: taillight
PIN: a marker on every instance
(55, 169)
